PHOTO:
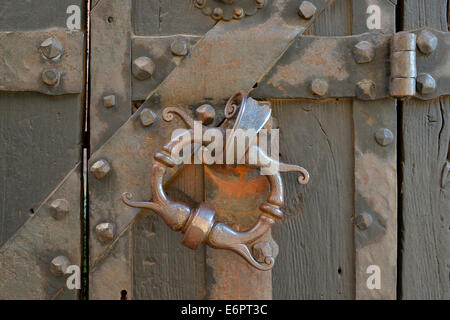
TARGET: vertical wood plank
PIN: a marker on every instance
(316, 237)
(425, 204)
(375, 216)
(316, 259)
(162, 267)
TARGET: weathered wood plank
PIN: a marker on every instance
(335, 21)
(162, 267)
(316, 236)
(41, 142)
(40, 148)
(316, 259)
(425, 205)
(37, 14)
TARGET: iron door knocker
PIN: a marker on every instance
(198, 224)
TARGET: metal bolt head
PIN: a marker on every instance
(238, 13)
(109, 101)
(59, 265)
(319, 87)
(100, 168)
(143, 68)
(105, 232)
(384, 137)
(425, 83)
(217, 13)
(426, 42)
(51, 48)
(306, 10)
(364, 220)
(179, 47)
(264, 250)
(200, 3)
(366, 90)
(51, 77)
(59, 208)
(363, 52)
(147, 117)
(206, 114)
(260, 3)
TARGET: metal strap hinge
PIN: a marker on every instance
(368, 66)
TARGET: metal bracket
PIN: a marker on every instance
(369, 66)
(50, 62)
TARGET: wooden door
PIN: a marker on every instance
(41, 129)
(372, 222)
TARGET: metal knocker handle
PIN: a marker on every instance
(198, 224)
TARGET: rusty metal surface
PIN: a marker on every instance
(213, 74)
(161, 51)
(334, 67)
(375, 177)
(375, 197)
(331, 60)
(23, 64)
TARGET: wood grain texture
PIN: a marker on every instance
(162, 267)
(40, 142)
(316, 259)
(334, 21)
(40, 147)
(37, 14)
(425, 205)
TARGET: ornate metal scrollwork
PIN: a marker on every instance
(198, 224)
(229, 9)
